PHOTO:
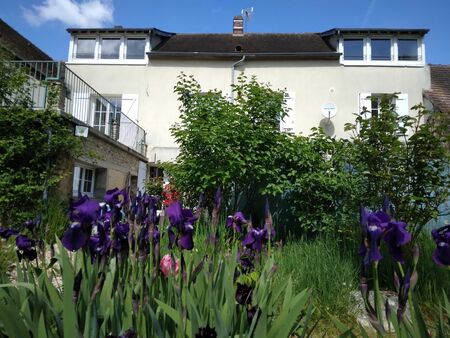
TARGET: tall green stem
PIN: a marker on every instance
(376, 293)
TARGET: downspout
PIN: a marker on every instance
(233, 68)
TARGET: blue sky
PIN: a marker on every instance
(44, 22)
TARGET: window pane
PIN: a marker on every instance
(407, 49)
(353, 49)
(381, 49)
(135, 48)
(110, 48)
(85, 48)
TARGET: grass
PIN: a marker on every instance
(326, 267)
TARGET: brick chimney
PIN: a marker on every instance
(238, 25)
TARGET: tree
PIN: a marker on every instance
(227, 144)
(406, 158)
(32, 145)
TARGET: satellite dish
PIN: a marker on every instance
(329, 110)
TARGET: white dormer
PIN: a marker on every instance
(112, 45)
(379, 47)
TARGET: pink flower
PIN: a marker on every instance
(167, 265)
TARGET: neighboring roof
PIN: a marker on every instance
(270, 45)
(18, 45)
(439, 95)
(406, 31)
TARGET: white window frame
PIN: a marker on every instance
(75, 47)
(367, 55)
(80, 176)
(146, 49)
(106, 37)
(108, 112)
(97, 52)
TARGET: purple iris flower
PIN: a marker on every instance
(395, 237)
(6, 233)
(120, 241)
(25, 248)
(182, 220)
(441, 254)
(112, 197)
(235, 222)
(374, 235)
(23, 242)
(75, 237)
(100, 243)
(255, 238)
(85, 211)
(373, 226)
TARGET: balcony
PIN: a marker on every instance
(79, 100)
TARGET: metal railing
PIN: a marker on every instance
(80, 100)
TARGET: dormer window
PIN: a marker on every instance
(408, 49)
(353, 49)
(85, 48)
(382, 50)
(110, 48)
(135, 48)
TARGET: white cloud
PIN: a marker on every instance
(72, 13)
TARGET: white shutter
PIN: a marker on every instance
(287, 125)
(401, 104)
(130, 104)
(76, 180)
(142, 175)
(80, 107)
(365, 103)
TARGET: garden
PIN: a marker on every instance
(258, 234)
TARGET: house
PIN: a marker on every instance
(114, 153)
(327, 76)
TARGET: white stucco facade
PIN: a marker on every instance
(313, 83)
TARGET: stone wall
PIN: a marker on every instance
(115, 165)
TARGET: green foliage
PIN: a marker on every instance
(32, 143)
(237, 145)
(324, 265)
(406, 158)
(314, 179)
(132, 294)
(223, 143)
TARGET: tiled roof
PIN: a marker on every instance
(18, 45)
(234, 45)
(440, 87)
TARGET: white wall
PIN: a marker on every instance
(314, 82)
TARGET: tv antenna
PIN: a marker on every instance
(246, 15)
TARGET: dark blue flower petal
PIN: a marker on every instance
(75, 237)
(175, 214)
(23, 242)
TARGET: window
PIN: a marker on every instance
(110, 48)
(380, 49)
(107, 114)
(371, 104)
(408, 49)
(85, 48)
(83, 181)
(136, 48)
(353, 49)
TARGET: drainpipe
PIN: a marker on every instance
(233, 68)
